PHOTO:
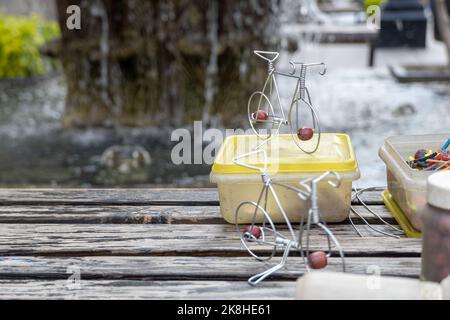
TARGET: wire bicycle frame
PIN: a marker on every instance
(306, 191)
(276, 116)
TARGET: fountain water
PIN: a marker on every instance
(365, 103)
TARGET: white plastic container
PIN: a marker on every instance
(286, 164)
(408, 186)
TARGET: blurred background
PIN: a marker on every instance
(96, 106)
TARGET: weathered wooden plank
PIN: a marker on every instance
(138, 214)
(125, 289)
(118, 239)
(186, 268)
(111, 214)
(189, 197)
(109, 196)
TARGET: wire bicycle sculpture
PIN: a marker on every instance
(262, 233)
(261, 110)
(265, 232)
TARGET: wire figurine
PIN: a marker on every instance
(263, 232)
(261, 110)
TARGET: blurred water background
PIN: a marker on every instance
(366, 103)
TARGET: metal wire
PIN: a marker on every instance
(356, 196)
(299, 240)
(306, 191)
(275, 112)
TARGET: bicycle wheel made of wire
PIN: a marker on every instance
(258, 238)
(261, 115)
(304, 125)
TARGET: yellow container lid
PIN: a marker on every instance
(400, 216)
(335, 153)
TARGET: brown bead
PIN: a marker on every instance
(253, 230)
(260, 115)
(305, 134)
(318, 260)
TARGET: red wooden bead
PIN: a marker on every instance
(260, 115)
(305, 134)
(318, 260)
(253, 230)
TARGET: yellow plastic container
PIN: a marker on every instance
(289, 165)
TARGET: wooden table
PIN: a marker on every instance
(157, 243)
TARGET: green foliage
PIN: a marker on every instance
(20, 40)
(368, 3)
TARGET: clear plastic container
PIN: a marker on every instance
(408, 186)
(288, 165)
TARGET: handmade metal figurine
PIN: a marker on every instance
(262, 111)
(266, 234)
(262, 231)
